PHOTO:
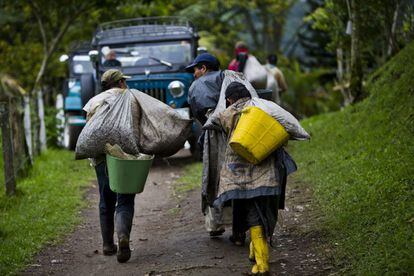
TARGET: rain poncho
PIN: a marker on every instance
(240, 179)
(261, 187)
(204, 94)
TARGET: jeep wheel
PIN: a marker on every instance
(70, 135)
(195, 149)
(87, 87)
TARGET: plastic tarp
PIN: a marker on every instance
(213, 121)
(287, 120)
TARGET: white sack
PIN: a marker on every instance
(273, 85)
(107, 96)
(287, 120)
(255, 73)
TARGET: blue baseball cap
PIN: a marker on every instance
(206, 57)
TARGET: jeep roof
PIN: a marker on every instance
(79, 47)
(144, 30)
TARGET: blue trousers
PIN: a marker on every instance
(111, 202)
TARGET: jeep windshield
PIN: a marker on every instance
(151, 54)
(81, 64)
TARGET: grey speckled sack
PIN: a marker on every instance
(162, 130)
(137, 123)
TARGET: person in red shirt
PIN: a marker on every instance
(241, 51)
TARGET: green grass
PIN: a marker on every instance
(190, 179)
(360, 165)
(44, 209)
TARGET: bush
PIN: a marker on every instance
(308, 93)
(52, 130)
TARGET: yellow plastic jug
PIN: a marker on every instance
(257, 135)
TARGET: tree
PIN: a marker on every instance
(259, 22)
(356, 63)
(53, 19)
(314, 42)
(377, 27)
(31, 33)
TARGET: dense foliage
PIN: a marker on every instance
(308, 94)
(364, 34)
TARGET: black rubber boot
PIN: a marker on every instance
(238, 236)
(123, 228)
(124, 252)
(238, 239)
(107, 231)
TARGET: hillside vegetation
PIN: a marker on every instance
(360, 164)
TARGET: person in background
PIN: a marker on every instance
(112, 82)
(203, 97)
(241, 52)
(271, 65)
(257, 191)
(248, 64)
(110, 60)
(202, 50)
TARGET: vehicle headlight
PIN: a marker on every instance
(176, 88)
(71, 83)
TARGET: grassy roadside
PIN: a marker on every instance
(45, 208)
(360, 164)
(190, 179)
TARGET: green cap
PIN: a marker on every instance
(113, 75)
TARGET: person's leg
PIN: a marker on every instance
(124, 217)
(239, 228)
(214, 222)
(107, 201)
(259, 251)
(213, 151)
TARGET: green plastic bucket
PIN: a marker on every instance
(127, 176)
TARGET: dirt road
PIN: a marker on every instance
(168, 237)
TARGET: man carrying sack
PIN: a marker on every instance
(203, 97)
(113, 82)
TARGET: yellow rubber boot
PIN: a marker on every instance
(251, 253)
(261, 251)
